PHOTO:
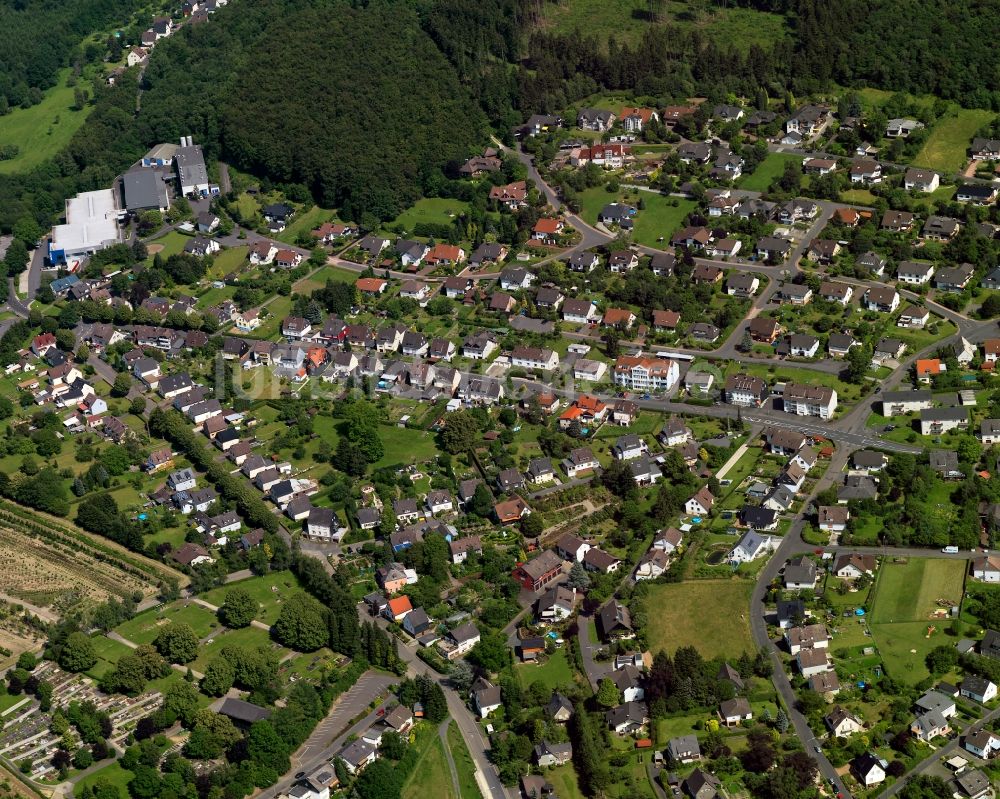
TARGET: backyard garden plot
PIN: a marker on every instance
(59, 575)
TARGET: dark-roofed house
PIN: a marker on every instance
(733, 712)
(538, 572)
(628, 717)
(701, 785)
(683, 749)
(615, 620)
(242, 712)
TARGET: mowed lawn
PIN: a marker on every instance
(767, 170)
(905, 598)
(946, 148)
(910, 591)
(904, 647)
(144, 628)
(554, 673)
(108, 652)
(112, 773)
(270, 590)
(35, 130)
(169, 244)
(434, 210)
(431, 776)
(405, 446)
(248, 637)
(661, 218)
(679, 614)
(304, 222)
(228, 260)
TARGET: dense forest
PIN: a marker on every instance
(39, 37)
(356, 104)
(368, 106)
(920, 46)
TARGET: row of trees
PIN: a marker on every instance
(172, 426)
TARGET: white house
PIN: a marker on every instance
(534, 358)
(700, 504)
(978, 689)
(751, 547)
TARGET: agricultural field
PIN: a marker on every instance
(736, 27)
(946, 148)
(44, 129)
(270, 590)
(902, 620)
(679, 614)
(59, 575)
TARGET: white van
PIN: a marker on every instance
(950, 550)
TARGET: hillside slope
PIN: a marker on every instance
(356, 104)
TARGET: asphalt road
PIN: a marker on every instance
(479, 747)
(330, 734)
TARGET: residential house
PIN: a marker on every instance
(833, 518)
(701, 503)
(940, 228)
(683, 750)
(639, 373)
(923, 180)
(627, 718)
(538, 572)
(977, 688)
(634, 120)
(935, 421)
(842, 723)
(733, 712)
(614, 621)
(750, 547)
(869, 769)
(836, 292)
(806, 400)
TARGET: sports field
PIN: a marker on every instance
(680, 613)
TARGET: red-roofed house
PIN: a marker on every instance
(546, 229)
(371, 285)
(444, 254)
(397, 608)
(635, 119)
